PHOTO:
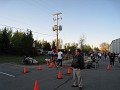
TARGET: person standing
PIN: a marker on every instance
(112, 58)
(105, 55)
(78, 65)
(60, 54)
(91, 55)
(99, 54)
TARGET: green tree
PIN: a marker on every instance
(87, 48)
(38, 44)
(96, 49)
(73, 47)
(46, 46)
(5, 38)
(16, 42)
(53, 45)
(27, 43)
(70, 47)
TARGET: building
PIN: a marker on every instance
(115, 46)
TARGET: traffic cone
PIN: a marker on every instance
(24, 70)
(51, 64)
(108, 67)
(68, 70)
(36, 85)
(39, 67)
(59, 75)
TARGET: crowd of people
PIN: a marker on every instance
(78, 62)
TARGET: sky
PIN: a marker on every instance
(97, 20)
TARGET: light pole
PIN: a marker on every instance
(56, 28)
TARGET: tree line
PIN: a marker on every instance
(23, 43)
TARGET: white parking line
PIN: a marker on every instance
(7, 74)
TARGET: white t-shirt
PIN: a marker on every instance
(99, 54)
(60, 55)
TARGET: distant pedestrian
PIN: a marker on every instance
(105, 55)
(112, 58)
(67, 55)
(99, 55)
(119, 57)
(78, 65)
(52, 56)
(60, 55)
(91, 55)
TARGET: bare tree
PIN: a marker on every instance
(60, 41)
(82, 41)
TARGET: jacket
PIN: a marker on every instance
(78, 62)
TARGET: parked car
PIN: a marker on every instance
(29, 60)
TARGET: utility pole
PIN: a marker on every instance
(56, 28)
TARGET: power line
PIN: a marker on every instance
(26, 23)
(22, 29)
(25, 30)
(43, 34)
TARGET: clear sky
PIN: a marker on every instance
(97, 20)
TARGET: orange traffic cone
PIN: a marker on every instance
(68, 70)
(51, 64)
(59, 75)
(36, 85)
(108, 67)
(24, 70)
(39, 67)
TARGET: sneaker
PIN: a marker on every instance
(74, 85)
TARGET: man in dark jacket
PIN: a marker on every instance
(78, 65)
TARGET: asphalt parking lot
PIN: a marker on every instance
(13, 78)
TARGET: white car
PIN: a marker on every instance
(29, 60)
